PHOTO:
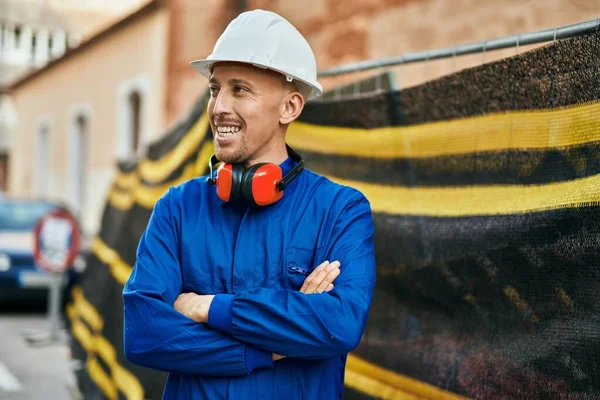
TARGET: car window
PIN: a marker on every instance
(21, 216)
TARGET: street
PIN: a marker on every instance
(32, 372)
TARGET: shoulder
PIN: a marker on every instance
(338, 195)
(191, 187)
(329, 188)
(182, 194)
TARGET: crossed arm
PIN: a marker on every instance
(197, 307)
(233, 335)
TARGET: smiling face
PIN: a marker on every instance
(249, 110)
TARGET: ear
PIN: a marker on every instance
(291, 107)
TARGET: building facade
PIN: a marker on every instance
(99, 103)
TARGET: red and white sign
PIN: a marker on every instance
(56, 241)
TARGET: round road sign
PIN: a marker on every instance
(56, 239)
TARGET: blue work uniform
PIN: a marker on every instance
(255, 260)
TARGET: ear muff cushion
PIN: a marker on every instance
(236, 180)
(247, 183)
(229, 177)
(263, 184)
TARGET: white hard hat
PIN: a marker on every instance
(267, 40)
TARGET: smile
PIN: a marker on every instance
(226, 131)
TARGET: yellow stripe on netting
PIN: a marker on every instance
(512, 130)
(375, 388)
(83, 334)
(121, 200)
(127, 180)
(102, 379)
(103, 252)
(203, 159)
(86, 310)
(124, 381)
(159, 170)
(379, 382)
(146, 196)
(80, 331)
(478, 200)
(118, 268)
(119, 379)
(127, 383)
(104, 349)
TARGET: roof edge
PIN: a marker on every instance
(148, 8)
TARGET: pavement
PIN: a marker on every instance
(33, 372)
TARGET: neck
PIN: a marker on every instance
(275, 154)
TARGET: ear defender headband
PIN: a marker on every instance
(260, 185)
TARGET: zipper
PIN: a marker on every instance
(298, 270)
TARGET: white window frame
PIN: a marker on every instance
(76, 201)
(42, 172)
(140, 84)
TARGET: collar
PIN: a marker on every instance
(287, 165)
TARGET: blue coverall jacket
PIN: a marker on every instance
(255, 260)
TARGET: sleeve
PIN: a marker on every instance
(159, 337)
(311, 326)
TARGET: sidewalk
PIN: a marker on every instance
(32, 373)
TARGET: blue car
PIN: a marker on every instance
(20, 278)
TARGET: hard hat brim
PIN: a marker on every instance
(203, 66)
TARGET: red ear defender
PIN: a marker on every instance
(228, 180)
(262, 184)
(224, 181)
(259, 185)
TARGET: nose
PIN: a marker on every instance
(222, 104)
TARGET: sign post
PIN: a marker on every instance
(56, 239)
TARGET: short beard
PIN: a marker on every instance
(240, 155)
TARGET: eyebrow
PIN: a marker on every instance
(233, 81)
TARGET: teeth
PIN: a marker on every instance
(226, 131)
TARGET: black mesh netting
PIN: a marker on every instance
(497, 305)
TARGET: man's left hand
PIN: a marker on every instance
(194, 306)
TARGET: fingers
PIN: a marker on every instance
(185, 303)
(329, 278)
(312, 275)
(180, 302)
(320, 279)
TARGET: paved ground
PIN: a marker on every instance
(32, 372)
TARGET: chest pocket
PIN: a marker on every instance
(299, 264)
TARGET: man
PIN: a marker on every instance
(225, 295)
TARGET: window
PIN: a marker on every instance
(133, 121)
(3, 172)
(33, 45)
(17, 36)
(43, 160)
(79, 166)
(135, 101)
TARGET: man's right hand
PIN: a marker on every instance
(321, 279)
